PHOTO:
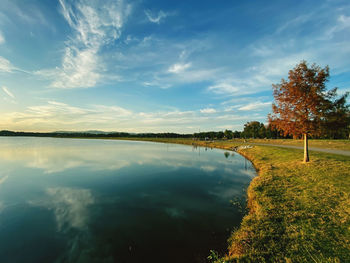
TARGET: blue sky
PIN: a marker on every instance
(159, 66)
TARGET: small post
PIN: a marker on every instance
(306, 149)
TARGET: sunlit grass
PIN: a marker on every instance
(298, 212)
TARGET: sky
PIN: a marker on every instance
(160, 66)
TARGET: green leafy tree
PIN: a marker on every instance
(254, 129)
(228, 134)
(237, 134)
(337, 118)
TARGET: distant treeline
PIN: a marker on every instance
(252, 129)
(95, 135)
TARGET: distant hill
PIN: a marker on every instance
(86, 132)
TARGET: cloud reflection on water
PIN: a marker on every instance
(83, 188)
(70, 206)
(59, 155)
(3, 179)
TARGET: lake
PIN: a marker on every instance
(85, 200)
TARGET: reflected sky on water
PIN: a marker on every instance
(71, 200)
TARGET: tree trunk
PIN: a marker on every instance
(306, 148)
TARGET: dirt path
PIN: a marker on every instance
(333, 151)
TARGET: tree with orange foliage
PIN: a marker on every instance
(301, 103)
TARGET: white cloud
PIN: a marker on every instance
(208, 110)
(95, 25)
(259, 77)
(115, 110)
(263, 51)
(54, 116)
(231, 127)
(2, 38)
(265, 61)
(179, 68)
(181, 74)
(27, 13)
(222, 88)
(295, 23)
(79, 69)
(5, 65)
(57, 110)
(59, 116)
(255, 106)
(155, 18)
(9, 93)
(129, 39)
(343, 22)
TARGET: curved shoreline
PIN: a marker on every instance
(297, 212)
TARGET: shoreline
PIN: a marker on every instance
(250, 242)
(297, 212)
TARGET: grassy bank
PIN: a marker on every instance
(297, 212)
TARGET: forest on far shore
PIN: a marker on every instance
(252, 129)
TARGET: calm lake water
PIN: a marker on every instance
(71, 200)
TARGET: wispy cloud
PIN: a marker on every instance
(2, 38)
(80, 69)
(57, 115)
(255, 106)
(5, 65)
(54, 116)
(199, 60)
(94, 26)
(29, 13)
(9, 93)
(343, 23)
(257, 78)
(294, 23)
(179, 67)
(223, 88)
(208, 110)
(156, 18)
(116, 111)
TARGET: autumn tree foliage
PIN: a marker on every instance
(302, 102)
